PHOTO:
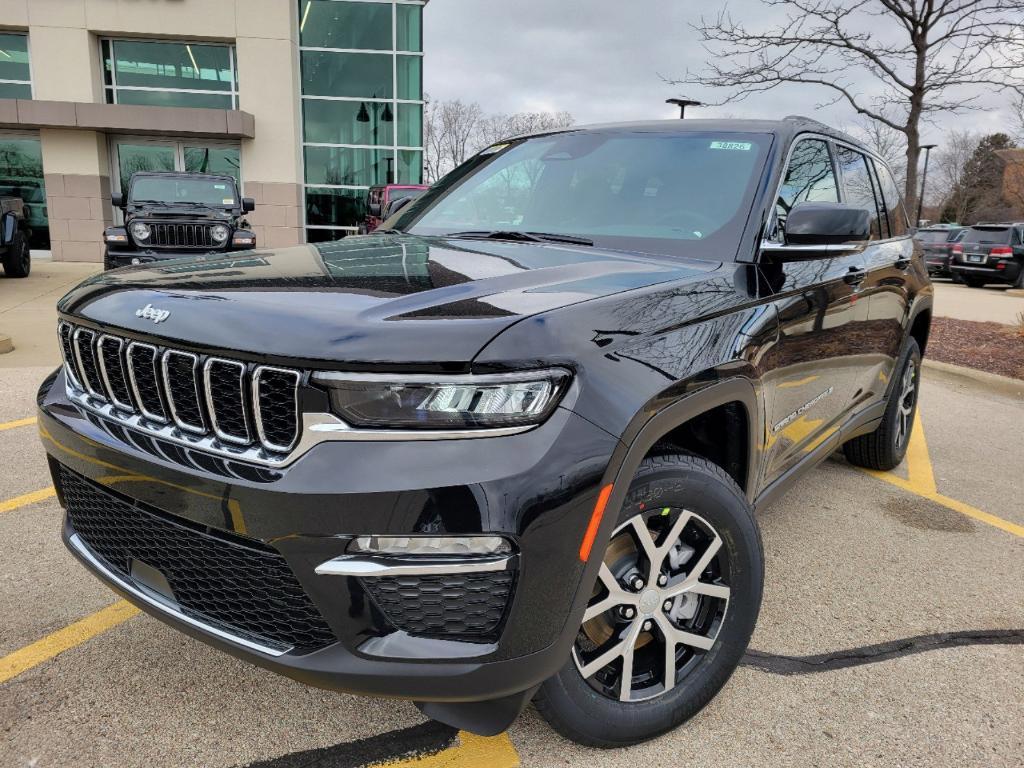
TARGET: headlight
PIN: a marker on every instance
(220, 233)
(384, 401)
(140, 230)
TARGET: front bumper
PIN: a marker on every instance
(537, 489)
(128, 258)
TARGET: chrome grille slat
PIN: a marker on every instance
(172, 235)
(142, 373)
(115, 382)
(227, 407)
(85, 355)
(181, 387)
(225, 399)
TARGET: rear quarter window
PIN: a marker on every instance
(894, 209)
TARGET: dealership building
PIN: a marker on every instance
(306, 102)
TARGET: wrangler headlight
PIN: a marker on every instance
(140, 230)
(382, 401)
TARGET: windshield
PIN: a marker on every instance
(180, 189)
(998, 236)
(933, 235)
(672, 193)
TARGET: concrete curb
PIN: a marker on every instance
(6, 345)
(1002, 384)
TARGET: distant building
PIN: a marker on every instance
(1013, 180)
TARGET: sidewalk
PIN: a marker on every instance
(28, 310)
(990, 304)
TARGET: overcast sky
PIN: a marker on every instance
(602, 60)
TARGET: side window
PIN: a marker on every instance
(809, 178)
(860, 188)
(894, 209)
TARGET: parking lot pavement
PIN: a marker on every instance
(892, 632)
(993, 303)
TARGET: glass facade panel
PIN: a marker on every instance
(21, 175)
(346, 166)
(410, 167)
(335, 207)
(409, 27)
(327, 73)
(362, 106)
(176, 74)
(222, 160)
(133, 158)
(410, 77)
(348, 122)
(410, 125)
(334, 24)
(14, 58)
(15, 91)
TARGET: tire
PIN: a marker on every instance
(885, 448)
(1019, 282)
(18, 259)
(585, 710)
(108, 264)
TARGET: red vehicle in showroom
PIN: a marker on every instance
(382, 196)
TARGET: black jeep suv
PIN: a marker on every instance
(990, 253)
(510, 447)
(171, 215)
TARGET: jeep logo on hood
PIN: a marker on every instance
(149, 312)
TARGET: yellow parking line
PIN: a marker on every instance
(19, 423)
(27, 498)
(70, 636)
(921, 481)
(472, 752)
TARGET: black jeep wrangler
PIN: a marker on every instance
(14, 238)
(511, 447)
(170, 215)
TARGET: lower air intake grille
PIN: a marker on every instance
(243, 588)
(469, 605)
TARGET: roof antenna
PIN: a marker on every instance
(683, 104)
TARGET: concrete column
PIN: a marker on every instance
(267, 47)
(75, 165)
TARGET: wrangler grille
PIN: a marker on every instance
(240, 586)
(181, 236)
(227, 400)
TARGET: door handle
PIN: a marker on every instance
(902, 264)
(855, 276)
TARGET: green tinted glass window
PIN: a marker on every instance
(335, 207)
(14, 58)
(174, 99)
(348, 122)
(410, 125)
(172, 65)
(346, 166)
(15, 91)
(410, 77)
(21, 175)
(334, 24)
(410, 167)
(326, 73)
(222, 160)
(409, 26)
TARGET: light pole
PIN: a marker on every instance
(683, 104)
(924, 179)
(387, 116)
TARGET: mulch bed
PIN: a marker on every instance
(990, 347)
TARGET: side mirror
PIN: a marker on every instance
(248, 205)
(395, 206)
(117, 200)
(827, 224)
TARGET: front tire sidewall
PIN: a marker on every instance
(584, 715)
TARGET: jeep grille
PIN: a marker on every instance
(230, 401)
(181, 236)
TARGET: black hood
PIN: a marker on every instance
(374, 299)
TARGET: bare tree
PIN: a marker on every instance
(1018, 119)
(886, 142)
(497, 127)
(897, 62)
(950, 170)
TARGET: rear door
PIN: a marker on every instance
(810, 376)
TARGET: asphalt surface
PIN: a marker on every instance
(892, 633)
(994, 303)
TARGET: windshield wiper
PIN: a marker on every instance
(517, 235)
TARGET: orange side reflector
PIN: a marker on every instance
(595, 522)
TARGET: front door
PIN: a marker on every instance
(811, 378)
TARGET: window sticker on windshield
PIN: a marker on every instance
(220, 186)
(743, 146)
(228, 201)
(495, 148)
